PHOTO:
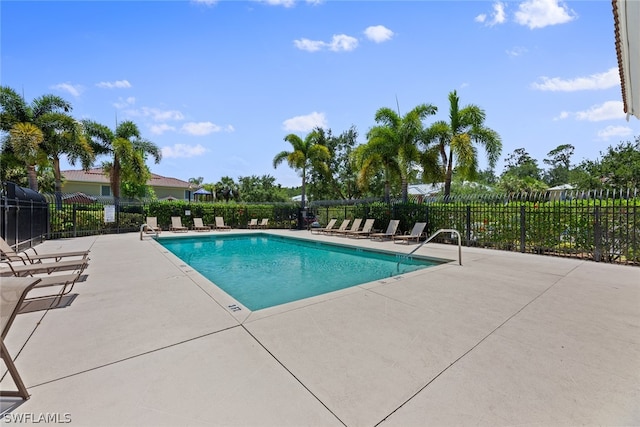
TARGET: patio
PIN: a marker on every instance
(505, 339)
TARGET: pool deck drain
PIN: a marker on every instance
(506, 339)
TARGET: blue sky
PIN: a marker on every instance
(219, 84)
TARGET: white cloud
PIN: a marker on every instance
(378, 33)
(498, 16)
(604, 80)
(339, 42)
(309, 45)
(118, 84)
(202, 128)
(124, 103)
(614, 131)
(609, 110)
(563, 115)
(285, 3)
(481, 18)
(305, 123)
(182, 151)
(516, 51)
(161, 128)
(343, 42)
(74, 90)
(156, 114)
(542, 13)
(205, 2)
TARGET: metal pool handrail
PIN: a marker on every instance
(142, 227)
(442, 230)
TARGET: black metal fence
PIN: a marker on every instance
(24, 216)
(597, 225)
(602, 226)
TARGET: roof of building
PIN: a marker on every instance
(97, 175)
(626, 15)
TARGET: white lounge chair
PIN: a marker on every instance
(23, 257)
(366, 229)
(354, 227)
(326, 229)
(176, 225)
(392, 230)
(220, 225)
(198, 225)
(416, 233)
(151, 226)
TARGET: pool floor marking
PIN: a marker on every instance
(234, 307)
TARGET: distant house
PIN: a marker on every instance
(559, 192)
(425, 190)
(94, 183)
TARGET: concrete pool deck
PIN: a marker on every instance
(505, 339)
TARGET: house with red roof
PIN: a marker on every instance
(94, 182)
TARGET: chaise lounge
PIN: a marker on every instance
(416, 233)
(392, 230)
(366, 229)
(198, 225)
(7, 252)
(220, 225)
(176, 225)
(12, 294)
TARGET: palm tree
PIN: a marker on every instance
(65, 136)
(25, 139)
(128, 151)
(306, 154)
(396, 139)
(61, 133)
(465, 127)
(374, 156)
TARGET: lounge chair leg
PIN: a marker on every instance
(11, 367)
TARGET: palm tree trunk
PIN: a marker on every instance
(115, 178)
(304, 187)
(405, 189)
(33, 177)
(447, 179)
(58, 182)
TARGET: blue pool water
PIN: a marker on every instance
(261, 270)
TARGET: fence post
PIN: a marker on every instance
(597, 235)
(523, 231)
(75, 228)
(468, 225)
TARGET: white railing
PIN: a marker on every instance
(442, 230)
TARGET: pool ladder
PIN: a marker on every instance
(142, 230)
(430, 238)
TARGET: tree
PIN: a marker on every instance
(618, 168)
(261, 189)
(61, 133)
(128, 150)
(464, 129)
(196, 182)
(338, 179)
(559, 161)
(394, 142)
(521, 173)
(306, 155)
(226, 189)
(521, 165)
(25, 139)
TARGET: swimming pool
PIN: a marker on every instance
(262, 270)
